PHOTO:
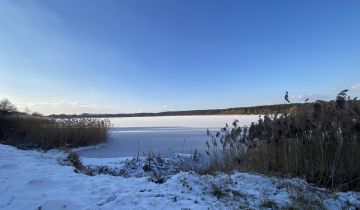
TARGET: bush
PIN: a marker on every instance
(320, 142)
(74, 159)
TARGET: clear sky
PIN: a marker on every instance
(74, 56)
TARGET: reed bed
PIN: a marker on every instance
(25, 131)
(319, 142)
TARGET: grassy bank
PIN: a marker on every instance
(320, 142)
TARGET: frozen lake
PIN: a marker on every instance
(165, 135)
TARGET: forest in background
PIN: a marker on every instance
(258, 110)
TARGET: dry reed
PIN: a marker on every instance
(27, 131)
(320, 142)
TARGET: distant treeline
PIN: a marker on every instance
(264, 109)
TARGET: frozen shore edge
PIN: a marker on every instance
(31, 179)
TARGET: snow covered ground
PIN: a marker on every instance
(37, 180)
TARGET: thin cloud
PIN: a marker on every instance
(59, 103)
(356, 86)
(312, 97)
(166, 108)
(60, 106)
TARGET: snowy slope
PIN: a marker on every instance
(36, 180)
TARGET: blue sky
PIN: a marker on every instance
(138, 55)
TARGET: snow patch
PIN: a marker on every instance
(36, 180)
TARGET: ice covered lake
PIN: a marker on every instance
(165, 134)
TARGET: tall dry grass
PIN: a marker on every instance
(320, 142)
(27, 131)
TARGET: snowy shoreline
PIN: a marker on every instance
(36, 180)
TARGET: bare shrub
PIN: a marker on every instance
(74, 159)
(6, 107)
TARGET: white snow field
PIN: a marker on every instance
(37, 180)
(193, 121)
(164, 134)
